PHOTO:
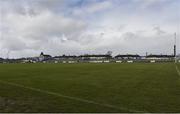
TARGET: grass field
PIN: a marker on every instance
(89, 87)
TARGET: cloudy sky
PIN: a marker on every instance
(76, 27)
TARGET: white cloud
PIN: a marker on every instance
(147, 3)
(29, 27)
(94, 7)
(35, 32)
(99, 6)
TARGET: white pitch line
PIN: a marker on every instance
(70, 97)
(178, 71)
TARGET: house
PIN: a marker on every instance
(127, 57)
(44, 57)
(130, 61)
(118, 61)
(106, 61)
(178, 58)
(95, 57)
(65, 57)
(1, 60)
(95, 61)
(72, 61)
(160, 57)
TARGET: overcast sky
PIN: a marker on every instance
(76, 27)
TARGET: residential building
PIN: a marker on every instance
(160, 57)
(95, 57)
(127, 57)
(44, 57)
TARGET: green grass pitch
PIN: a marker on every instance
(137, 87)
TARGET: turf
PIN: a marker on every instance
(113, 87)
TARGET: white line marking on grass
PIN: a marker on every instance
(178, 71)
(70, 97)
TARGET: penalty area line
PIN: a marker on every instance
(70, 97)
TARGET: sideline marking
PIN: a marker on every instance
(178, 71)
(71, 98)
